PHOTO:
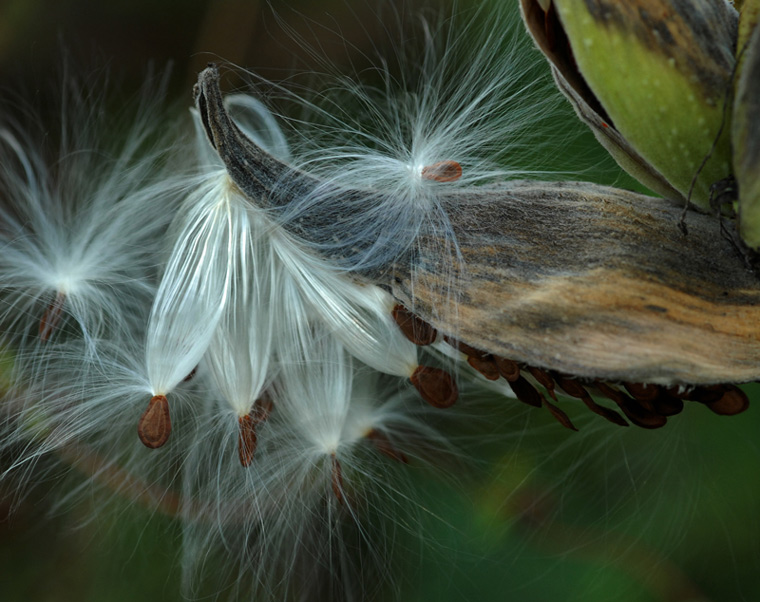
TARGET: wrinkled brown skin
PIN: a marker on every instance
(573, 277)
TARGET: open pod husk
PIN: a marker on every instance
(573, 277)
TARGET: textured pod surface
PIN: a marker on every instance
(591, 281)
(650, 78)
(582, 279)
(746, 133)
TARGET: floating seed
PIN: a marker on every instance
(337, 479)
(52, 317)
(384, 446)
(436, 386)
(486, 366)
(526, 392)
(155, 426)
(414, 328)
(507, 368)
(246, 439)
(733, 401)
(190, 376)
(443, 171)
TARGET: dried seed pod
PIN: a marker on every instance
(155, 424)
(435, 386)
(611, 272)
(416, 330)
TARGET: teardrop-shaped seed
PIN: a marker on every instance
(560, 415)
(544, 379)
(635, 412)
(443, 171)
(733, 401)
(526, 392)
(415, 329)
(435, 386)
(155, 425)
(464, 347)
(507, 368)
(642, 391)
(486, 366)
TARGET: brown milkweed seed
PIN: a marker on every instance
(507, 368)
(246, 439)
(416, 330)
(155, 425)
(464, 347)
(544, 379)
(733, 401)
(443, 171)
(559, 415)
(486, 366)
(526, 392)
(435, 386)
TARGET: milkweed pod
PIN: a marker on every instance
(572, 277)
(590, 281)
(651, 78)
(746, 129)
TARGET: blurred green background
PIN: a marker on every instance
(601, 515)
